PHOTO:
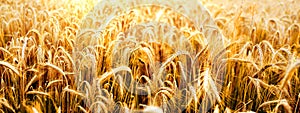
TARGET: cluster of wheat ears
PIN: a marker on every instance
(52, 61)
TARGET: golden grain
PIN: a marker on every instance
(40, 41)
(8, 65)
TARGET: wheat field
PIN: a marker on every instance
(65, 56)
